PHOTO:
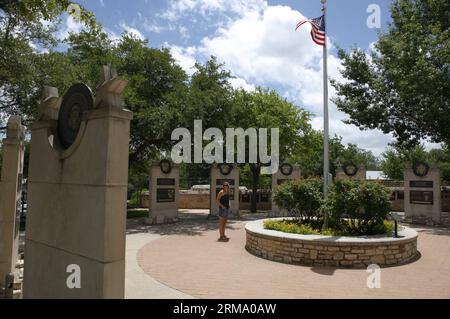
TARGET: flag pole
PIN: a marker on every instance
(326, 161)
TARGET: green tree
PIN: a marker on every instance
(264, 108)
(310, 156)
(24, 26)
(403, 87)
(395, 160)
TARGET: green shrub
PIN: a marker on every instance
(291, 226)
(302, 198)
(363, 205)
(296, 226)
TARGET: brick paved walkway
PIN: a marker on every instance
(194, 263)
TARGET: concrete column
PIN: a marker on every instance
(77, 203)
(423, 197)
(10, 195)
(164, 192)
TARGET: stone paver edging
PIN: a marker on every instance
(317, 250)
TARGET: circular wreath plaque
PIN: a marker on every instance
(225, 169)
(77, 100)
(165, 166)
(350, 169)
(421, 169)
(286, 169)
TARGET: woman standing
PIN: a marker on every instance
(223, 200)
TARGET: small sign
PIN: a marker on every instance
(421, 184)
(421, 197)
(165, 181)
(165, 195)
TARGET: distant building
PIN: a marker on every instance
(375, 175)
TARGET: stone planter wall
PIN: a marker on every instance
(345, 252)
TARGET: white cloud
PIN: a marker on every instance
(102, 3)
(180, 8)
(185, 57)
(69, 26)
(133, 31)
(260, 47)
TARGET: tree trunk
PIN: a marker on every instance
(256, 173)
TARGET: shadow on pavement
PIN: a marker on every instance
(188, 224)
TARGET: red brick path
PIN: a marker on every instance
(202, 267)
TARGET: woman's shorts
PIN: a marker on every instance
(224, 212)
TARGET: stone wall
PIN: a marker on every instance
(345, 252)
(193, 200)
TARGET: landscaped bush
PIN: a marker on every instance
(314, 227)
(302, 198)
(354, 208)
(363, 205)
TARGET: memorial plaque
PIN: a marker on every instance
(77, 100)
(421, 184)
(350, 169)
(421, 197)
(220, 182)
(165, 181)
(286, 169)
(165, 195)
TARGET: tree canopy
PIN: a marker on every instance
(403, 86)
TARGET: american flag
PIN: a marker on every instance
(317, 31)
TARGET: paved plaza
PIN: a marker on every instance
(184, 260)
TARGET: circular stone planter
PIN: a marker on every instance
(318, 250)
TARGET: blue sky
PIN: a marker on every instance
(256, 41)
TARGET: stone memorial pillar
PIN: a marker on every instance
(164, 191)
(10, 196)
(286, 173)
(350, 171)
(77, 191)
(422, 194)
(224, 173)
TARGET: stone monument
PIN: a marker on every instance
(422, 194)
(350, 171)
(286, 173)
(77, 191)
(221, 173)
(10, 196)
(164, 190)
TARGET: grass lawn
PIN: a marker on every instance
(136, 213)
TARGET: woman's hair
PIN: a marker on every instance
(225, 184)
